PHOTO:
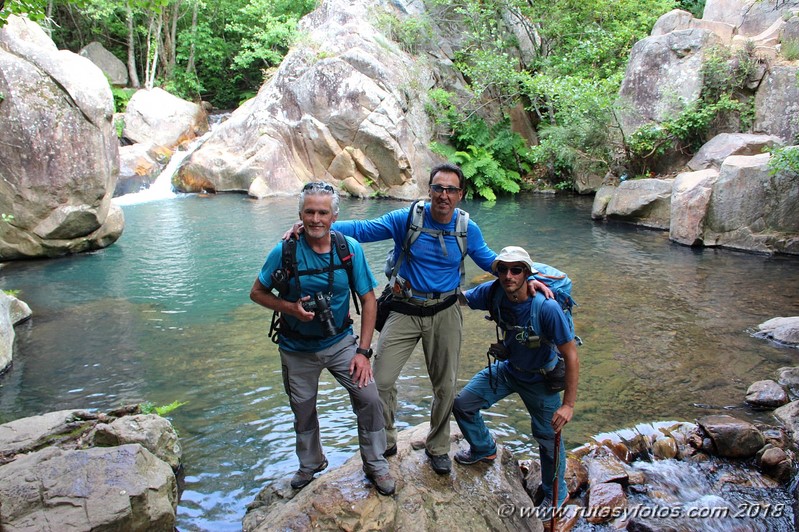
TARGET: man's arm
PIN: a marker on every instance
(264, 297)
(564, 414)
(360, 367)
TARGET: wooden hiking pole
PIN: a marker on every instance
(553, 524)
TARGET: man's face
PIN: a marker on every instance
(443, 201)
(317, 215)
(512, 275)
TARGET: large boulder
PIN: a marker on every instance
(12, 312)
(470, 498)
(158, 117)
(663, 76)
(777, 103)
(781, 330)
(750, 209)
(749, 17)
(714, 151)
(346, 105)
(58, 148)
(114, 69)
(643, 201)
(690, 197)
(87, 471)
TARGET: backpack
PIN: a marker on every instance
(561, 287)
(414, 226)
(291, 272)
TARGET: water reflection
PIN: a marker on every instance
(164, 315)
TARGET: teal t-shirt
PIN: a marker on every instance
(308, 259)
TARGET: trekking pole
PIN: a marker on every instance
(553, 524)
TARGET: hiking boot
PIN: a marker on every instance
(545, 509)
(440, 463)
(384, 484)
(391, 451)
(303, 478)
(468, 458)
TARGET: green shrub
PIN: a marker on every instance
(122, 97)
(150, 408)
(784, 160)
(413, 34)
(790, 50)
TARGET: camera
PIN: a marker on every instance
(319, 304)
(498, 351)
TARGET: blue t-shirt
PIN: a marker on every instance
(524, 362)
(308, 259)
(426, 268)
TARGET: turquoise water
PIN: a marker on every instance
(164, 315)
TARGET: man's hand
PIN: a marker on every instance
(299, 311)
(361, 370)
(295, 231)
(535, 284)
(562, 416)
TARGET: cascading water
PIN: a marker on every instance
(161, 188)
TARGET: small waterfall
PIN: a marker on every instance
(161, 188)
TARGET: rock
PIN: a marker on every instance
(782, 330)
(690, 197)
(114, 69)
(158, 117)
(731, 437)
(343, 499)
(115, 488)
(665, 448)
(789, 377)
(605, 501)
(662, 76)
(643, 201)
(775, 463)
(714, 151)
(752, 210)
(789, 416)
(603, 466)
(50, 472)
(749, 17)
(139, 166)
(587, 183)
(777, 103)
(151, 431)
(6, 332)
(601, 200)
(58, 105)
(766, 394)
(345, 89)
(576, 475)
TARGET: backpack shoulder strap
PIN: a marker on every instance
(289, 261)
(339, 241)
(413, 225)
(494, 297)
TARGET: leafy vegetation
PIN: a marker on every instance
(150, 408)
(567, 80)
(784, 160)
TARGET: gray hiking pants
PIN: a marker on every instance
(301, 372)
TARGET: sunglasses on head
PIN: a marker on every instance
(515, 270)
(318, 185)
(440, 189)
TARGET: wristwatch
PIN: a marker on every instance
(365, 352)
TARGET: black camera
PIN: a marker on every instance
(319, 304)
(498, 351)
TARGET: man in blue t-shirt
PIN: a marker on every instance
(315, 332)
(529, 362)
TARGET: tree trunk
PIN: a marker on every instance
(190, 63)
(132, 74)
(153, 40)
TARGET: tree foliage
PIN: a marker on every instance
(217, 51)
(567, 80)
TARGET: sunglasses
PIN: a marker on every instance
(318, 185)
(515, 270)
(441, 189)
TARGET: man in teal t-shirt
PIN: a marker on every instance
(313, 338)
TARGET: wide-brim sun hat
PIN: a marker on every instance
(513, 254)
